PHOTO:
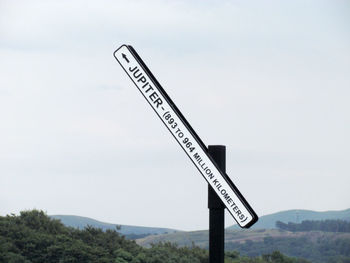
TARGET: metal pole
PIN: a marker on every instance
(216, 210)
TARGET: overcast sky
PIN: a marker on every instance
(268, 79)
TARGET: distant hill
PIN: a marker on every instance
(81, 222)
(265, 238)
(296, 216)
(201, 238)
(316, 246)
(265, 222)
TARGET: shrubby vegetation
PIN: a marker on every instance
(309, 225)
(32, 237)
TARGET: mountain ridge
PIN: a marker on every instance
(81, 222)
(265, 222)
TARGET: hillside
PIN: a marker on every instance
(315, 246)
(200, 238)
(33, 237)
(81, 222)
(296, 216)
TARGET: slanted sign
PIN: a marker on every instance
(185, 135)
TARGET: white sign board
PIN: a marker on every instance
(184, 135)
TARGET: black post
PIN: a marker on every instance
(216, 210)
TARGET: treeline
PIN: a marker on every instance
(309, 225)
(33, 237)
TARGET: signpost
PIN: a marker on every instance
(186, 137)
(216, 211)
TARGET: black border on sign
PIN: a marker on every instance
(193, 133)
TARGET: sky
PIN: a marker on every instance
(268, 79)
